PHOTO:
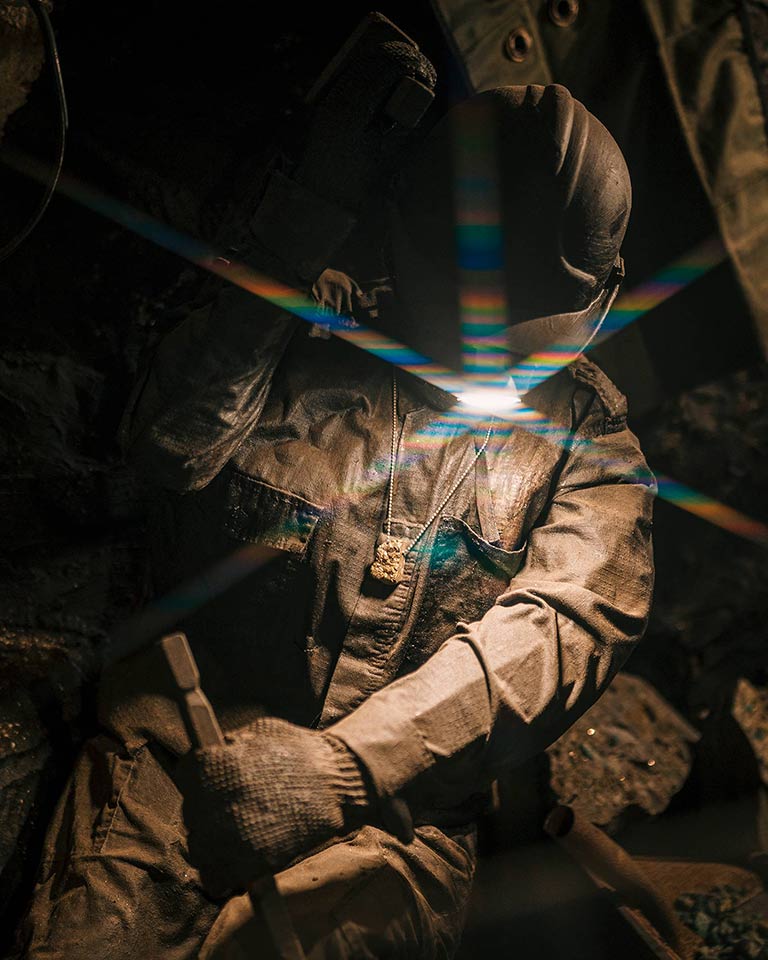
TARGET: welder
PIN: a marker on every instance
(450, 594)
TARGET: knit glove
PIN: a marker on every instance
(359, 128)
(271, 793)
(358, 132)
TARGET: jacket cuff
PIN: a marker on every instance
(346, 774)
(299, 228)
(390, 747)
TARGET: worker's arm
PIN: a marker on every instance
(498, 691)
(209, 379)
(506, 686)
(204, 389)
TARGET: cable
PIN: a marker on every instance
(52, 54)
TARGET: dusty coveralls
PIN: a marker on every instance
(520, 602)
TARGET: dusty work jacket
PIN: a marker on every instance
(518, 604)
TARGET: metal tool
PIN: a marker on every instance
(204, 731)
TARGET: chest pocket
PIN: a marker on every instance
(259, 513)
(278, 596)
(251, 640)
(466, 575)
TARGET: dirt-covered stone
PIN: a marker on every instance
(630, 753)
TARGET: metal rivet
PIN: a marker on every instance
(563, 12)
(518, 45)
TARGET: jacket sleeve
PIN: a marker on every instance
(204, 388)
(503, 688)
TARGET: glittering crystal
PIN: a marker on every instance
(389, 565)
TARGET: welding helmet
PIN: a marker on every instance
(538, 172)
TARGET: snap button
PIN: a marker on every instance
(518, 44)
(563, 12)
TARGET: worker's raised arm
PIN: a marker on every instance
(204, 388)
(209, 379)
(504, 687)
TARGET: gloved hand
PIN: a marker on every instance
(362, 121)
(357, 131)
(336, 292)
(272, 792)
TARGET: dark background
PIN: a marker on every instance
(173, 108)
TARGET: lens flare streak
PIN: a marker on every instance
(480, 250)
(488, 302)
(628, 307)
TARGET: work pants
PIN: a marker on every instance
(116, 882)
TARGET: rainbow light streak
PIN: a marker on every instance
(710, 510)
(163, 613)
(628, 307)
(480, 249)
(240, 274)
(672, 491)
(669, 281)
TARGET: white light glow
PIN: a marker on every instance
(494, 400)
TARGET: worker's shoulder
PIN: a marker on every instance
(583, 393)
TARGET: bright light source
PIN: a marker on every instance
(494, 400)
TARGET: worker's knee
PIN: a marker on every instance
(115, 879)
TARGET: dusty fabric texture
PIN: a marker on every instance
(366, 898)
(516, 608)
(703, 51)
(517, 605)
(116, 880)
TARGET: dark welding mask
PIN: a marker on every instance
(548, 184)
